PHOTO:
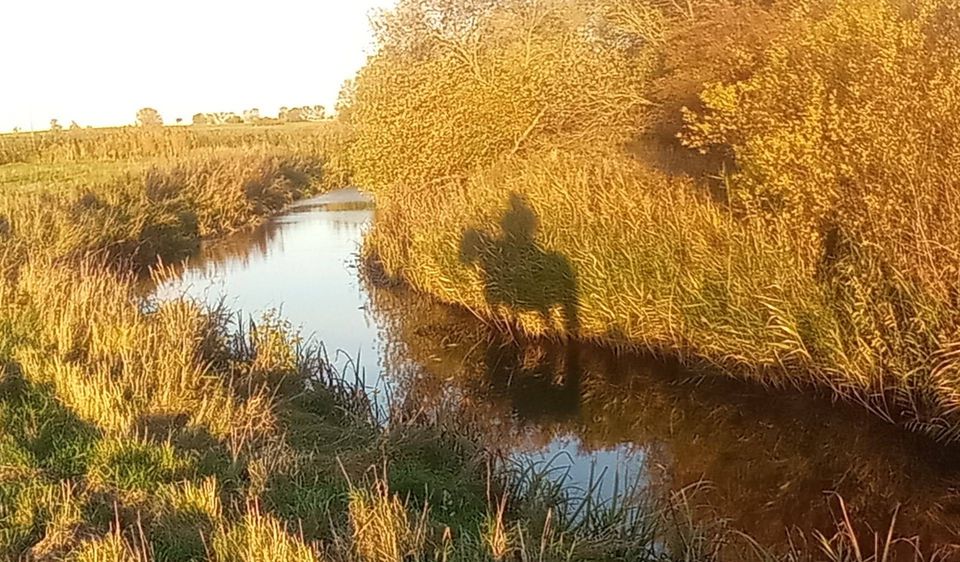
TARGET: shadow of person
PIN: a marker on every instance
(521, 276)
(518, 274)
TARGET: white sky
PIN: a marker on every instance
(98, 61)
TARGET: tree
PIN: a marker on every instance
(201, 119)
(179, 120)
(55, 125)
(16, 129)
(459, 84)
(149, 117)
(234, 119)
(313, 112)
(847, 132)
(251, 115)
(345, 98)
(294, 115)
(219, 118)
(74, 126)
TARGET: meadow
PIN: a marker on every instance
(764, 190)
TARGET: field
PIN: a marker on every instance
(759, 190)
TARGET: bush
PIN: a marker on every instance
(445, 96)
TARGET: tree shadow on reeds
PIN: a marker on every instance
(518, 274)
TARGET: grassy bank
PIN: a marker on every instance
(158, 431)
(142, 194)
(142, 430)
(760, 189)
(745, 457)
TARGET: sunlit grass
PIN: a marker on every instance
(155, 390)
(138, 430)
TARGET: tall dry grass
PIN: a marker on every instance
(143, 430)
(170, 435)
(159, 212)
(677, 275)
(317, 140)
(810, 241)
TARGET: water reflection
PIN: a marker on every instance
(770, 462)
(301, 264)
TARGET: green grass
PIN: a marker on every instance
(43, 443)
(40, 433)
(132, 466)
(24, 177)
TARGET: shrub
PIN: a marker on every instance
(444, 96)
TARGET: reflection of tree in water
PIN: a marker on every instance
(351, 228)
(772, 459)
(236, 251)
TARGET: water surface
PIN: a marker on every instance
(766, 463)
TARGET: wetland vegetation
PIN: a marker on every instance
(759, 189)
(720, 235)
(138, 428)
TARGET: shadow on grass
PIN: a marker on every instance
(522, 276)
(42, 443)
(518, 273)
(51, 437)
(338, 442)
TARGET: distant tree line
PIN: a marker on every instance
(150, 117)
(307, 113)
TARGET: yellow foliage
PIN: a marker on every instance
(830, 252)
(445, 95)
(850, 129)
(383, 530)
(111, 548)
(260, 538)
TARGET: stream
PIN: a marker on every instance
(772, 464)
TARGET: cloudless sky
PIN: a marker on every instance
(97, 61)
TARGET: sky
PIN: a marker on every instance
(97, 62)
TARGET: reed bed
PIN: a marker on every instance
(143, 143)
(678, 275)
(138, 430)
(135, 429)
(777, 208)
(159, 212)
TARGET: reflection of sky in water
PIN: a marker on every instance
(307, 273)
(771, 460)
(601, 472)
(303, 265)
